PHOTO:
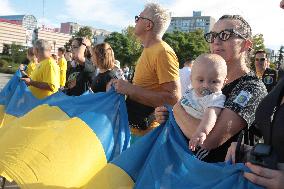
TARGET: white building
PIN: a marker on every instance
(188, 24)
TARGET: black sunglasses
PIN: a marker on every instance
(223, 35)
(140, 17)
(260, 59)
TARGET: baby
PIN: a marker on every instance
(204, 99)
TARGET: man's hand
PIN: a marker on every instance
(121, 86)
(27, 80)
(268, 178)
(161, 114)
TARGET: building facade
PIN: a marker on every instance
(12, 33)
(188, 24)
(23, 30)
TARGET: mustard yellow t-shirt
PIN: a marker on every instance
(62, 63)
(30, 68)
(48, 72)
(157, 64)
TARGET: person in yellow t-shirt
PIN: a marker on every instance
(62, 63)
(156, 77)
(28, 70)
(44, 81)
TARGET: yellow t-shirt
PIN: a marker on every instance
(30, 68)
(48, 72)
(157, 64)
(62, 63)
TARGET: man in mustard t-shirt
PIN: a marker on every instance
(62, 63)
(156, 77)
(44, 81)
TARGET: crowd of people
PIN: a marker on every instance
(214, 97)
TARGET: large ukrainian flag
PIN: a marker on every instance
(60, 141)
(162, 160)
(65, 142)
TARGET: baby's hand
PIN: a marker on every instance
(197, 140)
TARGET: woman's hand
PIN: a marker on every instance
(269, 178)
(161, 114)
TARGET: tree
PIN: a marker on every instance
(187, 44)
(125, 45)
(85, 31)
(258, 44)
(18, 53)
(6, 49)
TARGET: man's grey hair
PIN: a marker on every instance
(42, 45)
(160, 16)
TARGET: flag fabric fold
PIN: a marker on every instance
(162, 159)
(60, 141)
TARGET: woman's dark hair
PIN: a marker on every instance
(87, 52)
(244, 27)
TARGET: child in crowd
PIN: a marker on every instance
(204, 99)
(103, 58)
(28, 70)
(118, 71)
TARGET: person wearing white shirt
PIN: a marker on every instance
(184, 75)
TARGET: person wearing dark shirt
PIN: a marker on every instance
(81, 75)
(269, 120)
(103, 57)
(230, 38)
(268, 76)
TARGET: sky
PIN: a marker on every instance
(264, 16)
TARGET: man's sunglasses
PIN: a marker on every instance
(140, 17)
(223, 35)
(260, 59)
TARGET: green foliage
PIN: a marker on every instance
(258, 44)
(85, 31)
(6, 49)
(18, 53)
(187, 44)
(9, 63)
(8, 67)
(68, 44)
(126, 47)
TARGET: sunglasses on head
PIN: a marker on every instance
(223, 35)
(260, 59)
(137, 18)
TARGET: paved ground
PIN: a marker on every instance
(4, 78)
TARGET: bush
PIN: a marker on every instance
(3, 62)
(8, 67)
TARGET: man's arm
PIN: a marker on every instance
(37, 84)
(228, 124)
(167, 93)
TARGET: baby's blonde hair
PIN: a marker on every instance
(210, 59)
